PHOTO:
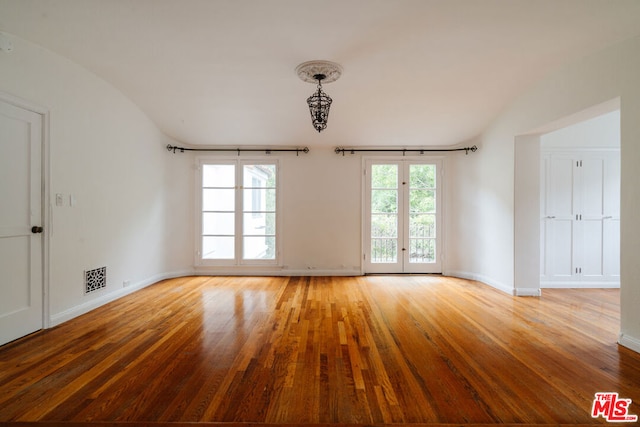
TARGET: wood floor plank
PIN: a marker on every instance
(325, 350)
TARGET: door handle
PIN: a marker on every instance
(550, 217)
(35, 229)
(607, 217)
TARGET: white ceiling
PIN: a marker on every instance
(416, 72)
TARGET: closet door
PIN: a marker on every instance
(559, 225)
(611, 218)
(590, 217)
(581, 219)
(601, 217)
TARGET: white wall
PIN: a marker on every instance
(486, 189)
(527, 239)
(322, 212)
(599, 132)
(107, 154)
(480, 215)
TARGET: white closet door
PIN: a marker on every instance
(559, 224)
(589, 249)
(611, 217)
(581, 219)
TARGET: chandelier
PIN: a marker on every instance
(319, 103)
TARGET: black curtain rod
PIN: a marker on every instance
(175, 148)
(342, 150)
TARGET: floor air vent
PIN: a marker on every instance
(95, 279)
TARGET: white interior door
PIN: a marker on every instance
(21, 280)
(403, 216)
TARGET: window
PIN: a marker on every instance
(238, 212)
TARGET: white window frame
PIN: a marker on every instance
(238, 260)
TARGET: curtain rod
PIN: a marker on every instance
(342, 150)
(175, 148)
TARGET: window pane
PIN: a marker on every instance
(259, 199)
(259, 247)
(384, 201)
(214, 247)
(218, 223)
(218, 176)
(384, 251)
(384, 176)
(259, 223)
(218, 200)
(259, 176)
(422, 250)
(422, 176)
(422, 200)
(384, 225)
(422, 225)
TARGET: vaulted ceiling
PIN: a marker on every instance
(416, 72)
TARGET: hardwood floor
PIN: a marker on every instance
(314, 350)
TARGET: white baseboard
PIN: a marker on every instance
(580, 285)
(629, 342)
(322, 272)
(527, 292)
(481, 278)
(58, 318)
(216, 271)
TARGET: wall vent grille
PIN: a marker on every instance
(95, 279)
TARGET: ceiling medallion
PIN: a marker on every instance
(319, 102)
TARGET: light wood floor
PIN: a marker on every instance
(363, 350)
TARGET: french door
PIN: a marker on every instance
(403, 216)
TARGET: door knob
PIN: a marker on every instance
(35, 229)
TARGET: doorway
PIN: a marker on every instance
(527, 218)
(403, 215)
(580, 204)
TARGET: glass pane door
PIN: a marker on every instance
(403, 217)
(384, 214)
(421, 223)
